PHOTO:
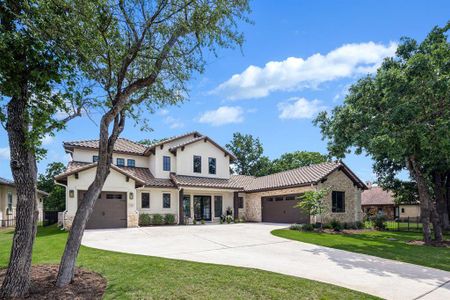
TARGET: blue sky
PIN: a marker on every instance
(299, 58)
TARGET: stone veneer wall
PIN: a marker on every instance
(338, 181)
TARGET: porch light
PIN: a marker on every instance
(131, 196)
(71, 193)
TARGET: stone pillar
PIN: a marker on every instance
(357, 204)
(181, 207)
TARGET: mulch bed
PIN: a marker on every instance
(433, 243)
(86, 284)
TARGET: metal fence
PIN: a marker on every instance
(8, 223)
(401, 224)
(50, 218)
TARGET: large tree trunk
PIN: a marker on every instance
(424, 198)
(84, 211)
(24, 171)
(439, 182)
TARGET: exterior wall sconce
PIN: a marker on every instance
(71, 193)
(127, 179)
(131, 196)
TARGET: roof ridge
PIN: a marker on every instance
(299, 168)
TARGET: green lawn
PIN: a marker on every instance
(141, 277)
(377, 243)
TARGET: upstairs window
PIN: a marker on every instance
(197, 164)
(10, 202)
(120, 162)
(95, 158)
(212, 165)
(145, 200)
(166, 200)
(166, 163)
(131, 162)
(337, 202)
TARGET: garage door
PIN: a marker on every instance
(110, 211)
(280, 209)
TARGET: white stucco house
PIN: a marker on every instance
(189, 176)
(8, 203)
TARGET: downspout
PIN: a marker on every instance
(67, 196)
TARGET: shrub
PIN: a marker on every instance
(307, 227)
(336, 225)
(145, 220)
(359, 225)
(236, 220)
(203, 222)
(229, 219)
(378, 221)
(345, 225)
(194, 222)
(169, 219)
(158, 219)
(296, 227)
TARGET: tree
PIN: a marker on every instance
(149, 50)
(249, 154)
(313, 202)
(38, 82)
(401, 118)
(297, 159)
(56, 199)
(149, 142)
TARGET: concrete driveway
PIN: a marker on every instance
(251, 245)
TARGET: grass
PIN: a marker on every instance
(377, 243)
(142, 277)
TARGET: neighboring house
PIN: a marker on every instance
(376, 200)
(8, 203)
(189, 176)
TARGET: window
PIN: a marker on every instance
(131, 162)
(166, 200)
(145, 200)
(289, 198)
(10, 202)
(241, 202)
(197, 164)
(166, 163)
(217, 206)
(120, 162)
(95, 158)
(338, 202)
(212, 165)
(113, 196)
(187, 205)
(278, 198)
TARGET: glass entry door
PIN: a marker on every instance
(187, 206)
(202, 208)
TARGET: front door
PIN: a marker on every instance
(202, 208)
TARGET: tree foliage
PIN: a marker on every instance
(56, 200)
(297, 159)
(400, 116)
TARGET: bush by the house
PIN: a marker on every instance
(158, 219)
(202, 221)
(308, 227)
(378, 221)
(145, 220)
(229, 219)
(336, 225)
(296, 227)
(194, 221)
(359, 225)
(169, 219)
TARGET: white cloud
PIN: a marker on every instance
(299, 108)
(296, 73)
(4, 153)
(223, 115)
(173, 123)
(163, 112)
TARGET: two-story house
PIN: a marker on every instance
(189, 176)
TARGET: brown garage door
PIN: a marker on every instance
(110, 211)
(280, 209)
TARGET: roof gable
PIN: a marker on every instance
(198, 139)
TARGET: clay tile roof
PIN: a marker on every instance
(142, 175)
(196, 139)
(300, 176)
(122, 145)
(174, 138)
(377, 196)
(236, 182)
